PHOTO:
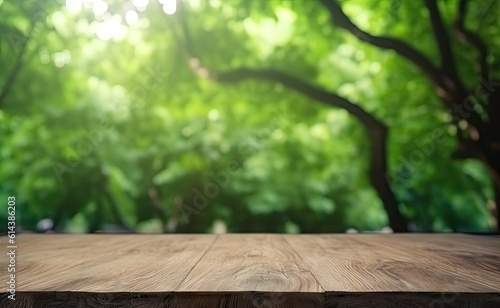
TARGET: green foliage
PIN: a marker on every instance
(122, 131)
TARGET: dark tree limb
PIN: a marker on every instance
(340, 19)
(449, 86)
(15, 69)
(294, 83)
(443, 41)
(376, 130)
(472, 38)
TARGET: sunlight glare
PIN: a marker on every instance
(131, 17)
(169, 6)
(111, 28)
(104, 30)
(100, 7)
(74, 6)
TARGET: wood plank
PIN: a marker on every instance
(105, 263)
(390, 263)
(258, 262)
(460, 243)
(474, 265)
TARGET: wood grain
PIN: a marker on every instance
(255, 270)
(401, 263)
(468, 264)
(100, 263)
(258, 262)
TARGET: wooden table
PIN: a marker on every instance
(254, 270)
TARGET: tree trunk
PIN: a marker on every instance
(379, 180)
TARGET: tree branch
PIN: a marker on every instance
(449, 88)
(376, 130)
(473, 39)
(298, 85)
(443, 41)
(14, 71)
(340, 19)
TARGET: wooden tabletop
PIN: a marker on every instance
(254, 270)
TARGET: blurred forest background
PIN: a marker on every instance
(250, 115)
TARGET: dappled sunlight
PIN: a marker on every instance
(111, 17)
(74, 6)
(269, 33)
(62, 58)
(169, 6)
(111, 28)
(99, 7)
(131, 17)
